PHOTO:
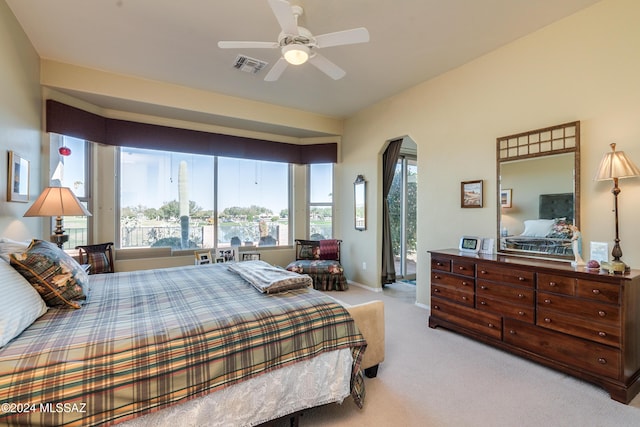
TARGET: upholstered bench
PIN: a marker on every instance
(320, 259)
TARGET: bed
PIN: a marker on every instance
(550, 233)
(177, 343)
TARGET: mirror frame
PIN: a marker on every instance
(559, 139)
(360, 203)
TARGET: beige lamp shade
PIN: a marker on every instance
(616, 164)
(57, 201)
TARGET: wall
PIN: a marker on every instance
(20, 112)
(584, 67)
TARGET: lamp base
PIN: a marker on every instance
(59, 239)
(615, 267)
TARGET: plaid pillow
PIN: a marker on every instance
(58, 278)
(98, 261)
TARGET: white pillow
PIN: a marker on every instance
(537, 227)
(8, 246)
(20, 304)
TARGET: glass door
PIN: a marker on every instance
(402, 209)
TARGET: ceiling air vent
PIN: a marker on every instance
(248, 64)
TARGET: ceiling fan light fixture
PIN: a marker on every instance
(296, 54)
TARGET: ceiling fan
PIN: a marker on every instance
(298, 45)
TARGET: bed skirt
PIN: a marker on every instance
(270, 396)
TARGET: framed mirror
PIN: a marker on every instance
(538, 177)
(360, 203)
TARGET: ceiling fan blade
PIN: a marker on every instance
(246, 45)
(356, 35)
(284, 14)
(276, 71)
(327, 67)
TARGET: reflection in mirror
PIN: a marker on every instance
(538, 192)
(360, 206)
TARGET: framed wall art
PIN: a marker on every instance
(471, 194)
(18, 179)
(505, 198)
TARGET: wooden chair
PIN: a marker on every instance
(98, 256)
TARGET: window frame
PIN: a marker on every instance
(58, 140)
(216, 182)
(311, 204)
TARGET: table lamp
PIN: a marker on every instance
(615, 165)
(58, 202)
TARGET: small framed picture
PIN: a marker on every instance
(251, 256)
(471, 194)
(227, 254)
(203, 258)
(505, 198)
(18, 179)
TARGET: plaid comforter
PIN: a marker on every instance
(147, 339)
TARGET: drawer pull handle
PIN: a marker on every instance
(483, 272)
(602, 361)
(512, 332)
(522, 279)
(483, 287)
(547, 301)
(437, 307)
(435, 276)
(602, 313)
(465, 284)
(436, 290)
(483, 303)
(547, 320)
(596, 291)
(520, 296)
(439, 264)
(464, 298)
(490, 325)
(461, 268)
(521, 313)
(602, 334)
(552, 284)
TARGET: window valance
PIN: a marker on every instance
(66, 120)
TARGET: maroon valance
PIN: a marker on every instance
(71, 121)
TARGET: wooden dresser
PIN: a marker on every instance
(585, 323)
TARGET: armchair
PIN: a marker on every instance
(320, 259)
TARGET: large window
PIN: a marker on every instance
(195, 201)
(321, 201)
(69, 160)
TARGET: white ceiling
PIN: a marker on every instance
(176, 41)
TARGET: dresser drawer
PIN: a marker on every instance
(512, 294)
(452, 280)
(505, 274)
(515, 311)
(574, 352)
(580, 327)
(590, 310)
(557, 284)
(457, 295)
(485, 323)
(605, 292)
(440, 263)
(464, 268)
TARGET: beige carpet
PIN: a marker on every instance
(433, 377)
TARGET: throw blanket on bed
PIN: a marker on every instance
(268, 278)
(147, 339)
